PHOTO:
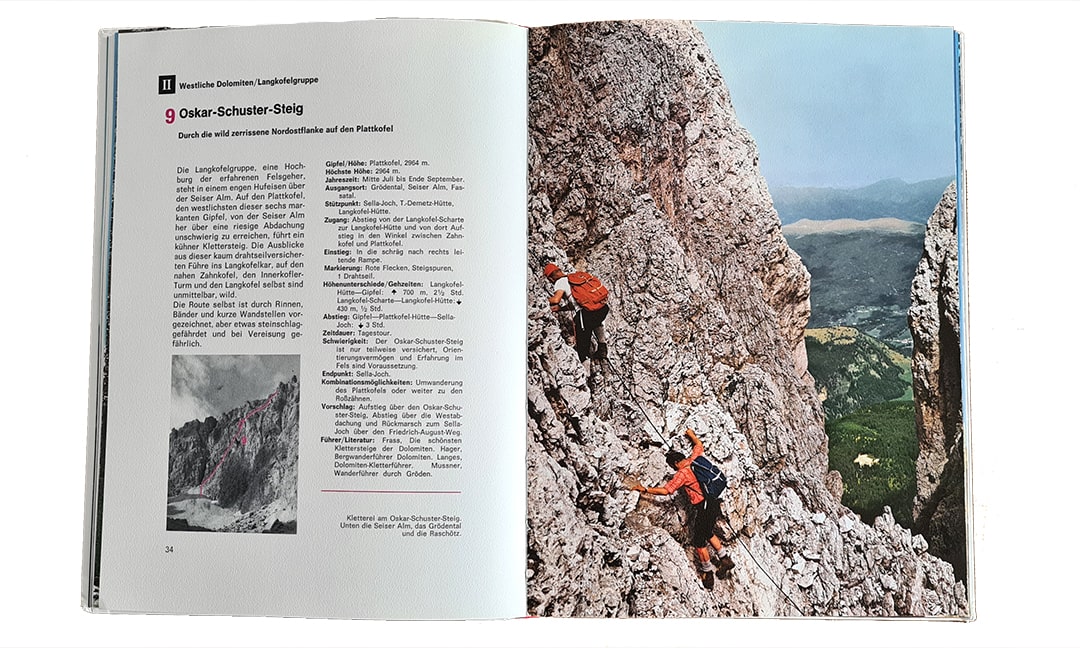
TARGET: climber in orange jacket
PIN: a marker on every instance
(586, 297)
(695, 475)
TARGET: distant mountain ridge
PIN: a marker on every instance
(851, 225)
(860, 273)
(892, 198)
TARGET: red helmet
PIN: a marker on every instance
(550, 269)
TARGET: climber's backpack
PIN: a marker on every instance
(712, 480)
(587, 290)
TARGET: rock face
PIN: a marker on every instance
(640, 174)
(935, 324)
(250, 471)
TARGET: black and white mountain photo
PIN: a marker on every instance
(234, 443)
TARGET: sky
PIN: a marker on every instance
(209, 385)
(841, 106)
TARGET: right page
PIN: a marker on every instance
(745, 370)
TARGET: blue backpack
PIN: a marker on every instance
(710, 478)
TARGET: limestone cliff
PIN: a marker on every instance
(228, 477)
(640, 174)
(934, 318)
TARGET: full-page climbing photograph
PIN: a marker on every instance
(745, 322)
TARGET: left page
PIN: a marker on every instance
(332, 210)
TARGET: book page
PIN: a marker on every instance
(748, 399)
(327, 210)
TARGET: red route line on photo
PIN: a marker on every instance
(391, 492)
(239, 431)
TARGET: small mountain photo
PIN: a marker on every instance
(233, 443)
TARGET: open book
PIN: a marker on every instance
(551, 323)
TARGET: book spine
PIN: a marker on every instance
(99, 343)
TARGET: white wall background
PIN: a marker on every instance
(1021, 138)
